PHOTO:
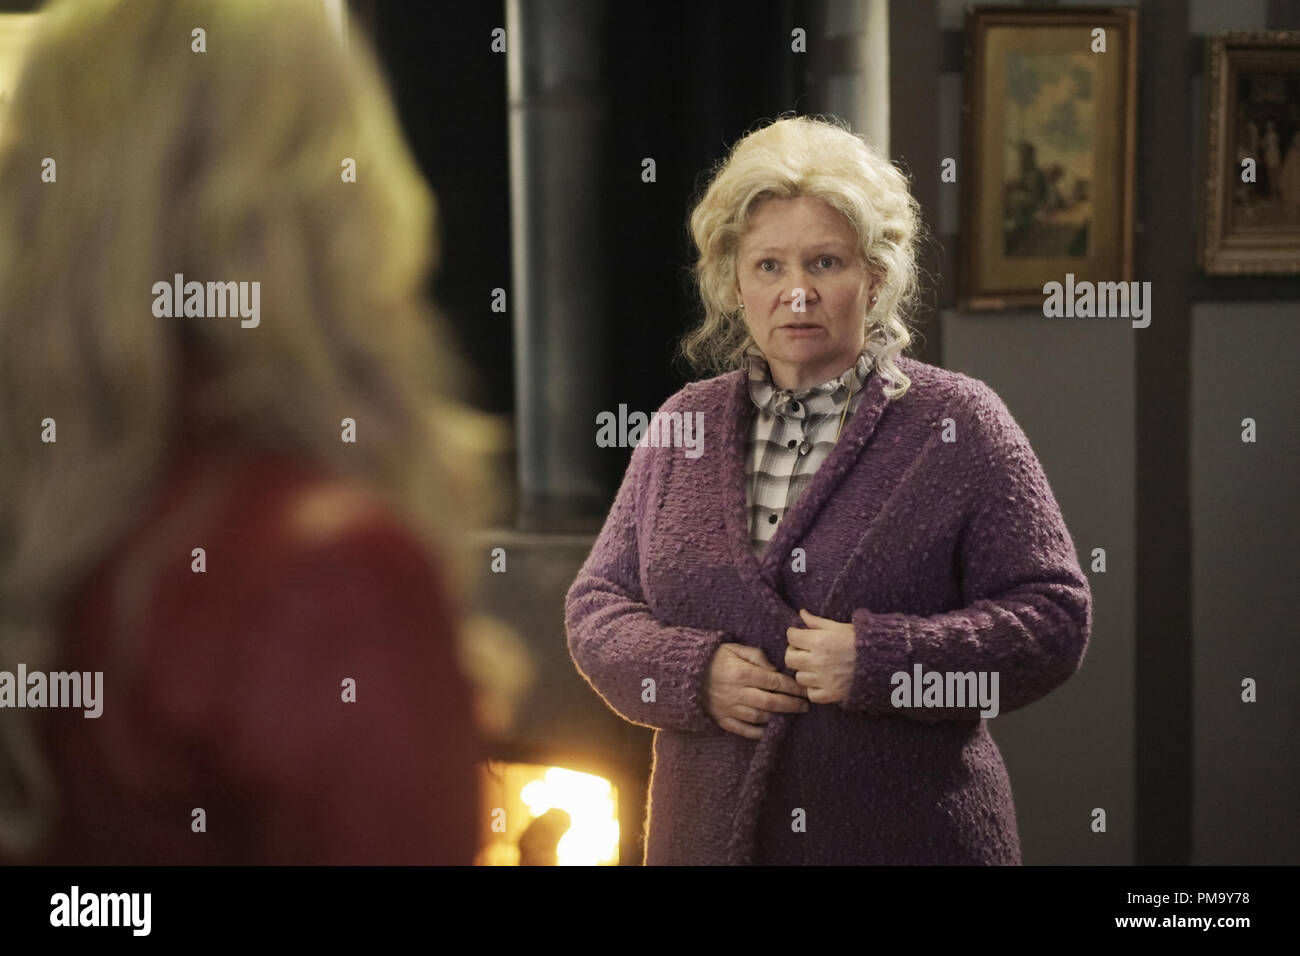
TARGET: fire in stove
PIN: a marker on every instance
(548, 816)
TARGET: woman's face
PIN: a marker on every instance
(803, 244)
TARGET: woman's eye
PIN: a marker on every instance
(763, 266)
(827, 262)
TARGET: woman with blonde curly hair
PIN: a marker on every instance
(819, 611)
(235, 526)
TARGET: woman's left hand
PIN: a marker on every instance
(822, 656)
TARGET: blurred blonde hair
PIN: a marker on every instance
(221, 165)
(806, 156)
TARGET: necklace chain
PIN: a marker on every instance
(844, 414)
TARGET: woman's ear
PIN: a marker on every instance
(873, 276)
(878, 288)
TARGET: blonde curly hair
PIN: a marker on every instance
(227, 164)
(818, 157)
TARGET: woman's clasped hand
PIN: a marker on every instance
(743, 689)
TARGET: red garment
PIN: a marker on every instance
(222, 690)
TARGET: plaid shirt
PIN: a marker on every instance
(790, 437)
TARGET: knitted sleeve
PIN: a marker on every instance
(1028, 607)
(648, 673)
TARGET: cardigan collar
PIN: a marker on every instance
(764, 571)
(799, 519)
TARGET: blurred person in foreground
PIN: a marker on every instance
(290, 693)
(857, 523)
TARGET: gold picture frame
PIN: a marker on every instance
(1250, 209)
(1049, 110)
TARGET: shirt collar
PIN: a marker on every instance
(797, 404)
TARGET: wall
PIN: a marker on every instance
(1245, 528)
(1140, 438)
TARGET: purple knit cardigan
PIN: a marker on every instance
(932, 528)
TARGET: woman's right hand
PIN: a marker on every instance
(742, 690)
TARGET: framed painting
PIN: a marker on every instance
(1049, 110)
(1250, 210)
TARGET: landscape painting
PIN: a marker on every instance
(1049, 108)
(1048, 160)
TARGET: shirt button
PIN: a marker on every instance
(791, 443)
(795, 406)
(771, 519)
(805, 448)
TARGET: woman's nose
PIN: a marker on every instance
(798, 283)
